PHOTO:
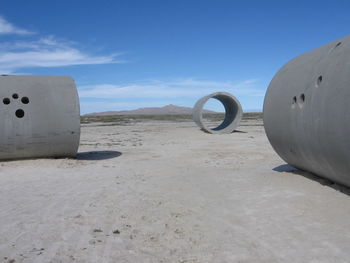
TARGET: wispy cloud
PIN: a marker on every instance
(168, 89)
(8, 28)
(47, 51)
(99, 106)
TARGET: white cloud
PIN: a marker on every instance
(8, 28)
(42, 52)
(168, 89)
(156, 93)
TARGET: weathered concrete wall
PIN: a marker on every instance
(233, 112)
(39, 117)
(307, 113)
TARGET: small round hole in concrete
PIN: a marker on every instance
(25, 100)
(294, 100)
(15, 95)
(302, 97)
(6, 101)
(19, 113)
(338, 44)
(319, 81)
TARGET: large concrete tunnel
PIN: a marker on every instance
(307, 113)
(39, 117)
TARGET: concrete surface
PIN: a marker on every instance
(307, 113)
(39, 117)
(167, 192)
(233, 113)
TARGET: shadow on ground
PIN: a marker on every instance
(97, 155)
(235, 131)
(238, 131)
(323, 181)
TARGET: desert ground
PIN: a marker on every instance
(165, 191)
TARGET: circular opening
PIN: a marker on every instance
(15, 95)
(294, 100)
(302, 97)
(213, 113)
(19, 113)
(6, 101)
(338, 44)
(25, 100)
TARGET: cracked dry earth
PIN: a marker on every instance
(157, 191)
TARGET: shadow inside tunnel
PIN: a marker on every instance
(97, 155)
(323, 181)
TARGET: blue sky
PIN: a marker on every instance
(130, 54)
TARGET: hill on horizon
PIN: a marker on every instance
(166, 110)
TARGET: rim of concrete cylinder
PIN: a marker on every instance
(233, 112)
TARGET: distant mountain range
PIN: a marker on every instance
(166, 110)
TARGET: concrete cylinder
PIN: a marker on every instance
(39, 117)
(307, 113)
(233, 112)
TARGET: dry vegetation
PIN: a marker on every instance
(126, 119)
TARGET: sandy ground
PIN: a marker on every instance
(168, 192)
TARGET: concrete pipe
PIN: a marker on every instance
(40, 117)
(233, 112)
(307, 113)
